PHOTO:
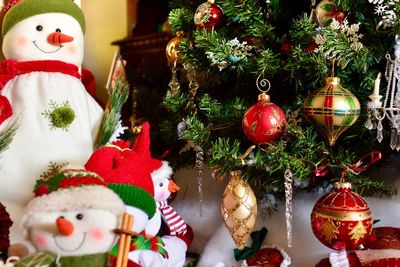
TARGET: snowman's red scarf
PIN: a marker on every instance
(175, 223)
(11, 68)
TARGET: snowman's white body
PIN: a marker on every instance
(175, 247)
(36, 143)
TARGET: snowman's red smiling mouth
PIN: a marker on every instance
(47, 52)
(61, 240)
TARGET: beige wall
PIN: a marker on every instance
(106, 21)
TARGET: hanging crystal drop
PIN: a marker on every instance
(288, 175)
(174, 84)
(398, 142)
(193, 87)
(379, 134)
(393, 138)
(368, 124)
(199, 166)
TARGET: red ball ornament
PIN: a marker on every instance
(208, 16)
(264, 122)
(341, 219)
(266, 257)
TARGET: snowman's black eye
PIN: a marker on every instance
(161, 184)
(58, 30)
(79, 216)
(39, 28)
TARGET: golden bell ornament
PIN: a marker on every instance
(332, 109)
(239, 209)
(172, 51)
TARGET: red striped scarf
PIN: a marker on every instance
(175, 223)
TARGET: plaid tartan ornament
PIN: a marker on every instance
(332, 109)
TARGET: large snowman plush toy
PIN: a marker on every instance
(71, 220)
(40, 81)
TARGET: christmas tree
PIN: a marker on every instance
(226, 52)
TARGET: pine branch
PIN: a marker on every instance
(7, 135)
(181, 19)
(112, 114)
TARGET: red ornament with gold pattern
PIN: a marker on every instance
(208, 16)
(341, 219)
(264, 122)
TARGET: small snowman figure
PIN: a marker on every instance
(164, 186)
(40, 82)
(127, 173)
(71, 220)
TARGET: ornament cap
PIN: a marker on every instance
(264, 96)
(334, 80)
(342, 186)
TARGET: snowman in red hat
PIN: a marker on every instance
(164, 186)
(127, 172)
(40, 87)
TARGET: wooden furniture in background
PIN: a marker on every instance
(144, 47)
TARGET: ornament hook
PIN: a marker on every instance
(263, 83)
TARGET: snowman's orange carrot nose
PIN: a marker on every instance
(173, 187)
(57, 38)
(64, 226)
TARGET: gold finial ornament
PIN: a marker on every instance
(239, 209)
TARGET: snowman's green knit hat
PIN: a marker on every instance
(17, 10)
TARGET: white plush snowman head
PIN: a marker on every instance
(73, 214)
(163, 185)
(43, 30)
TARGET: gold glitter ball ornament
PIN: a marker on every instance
(239, 209)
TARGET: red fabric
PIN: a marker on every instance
(11, 68)
(142, 146)
(121, 166)
(270, 257)
(175, 222)
(42, 190)
(89, 82)
(391, 262)
(383, 238)
(188, 237)
(5, 109)
(80, 181)
(9, 5)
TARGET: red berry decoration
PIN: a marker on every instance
(341, 219)
(208, 16)
(264, 122)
